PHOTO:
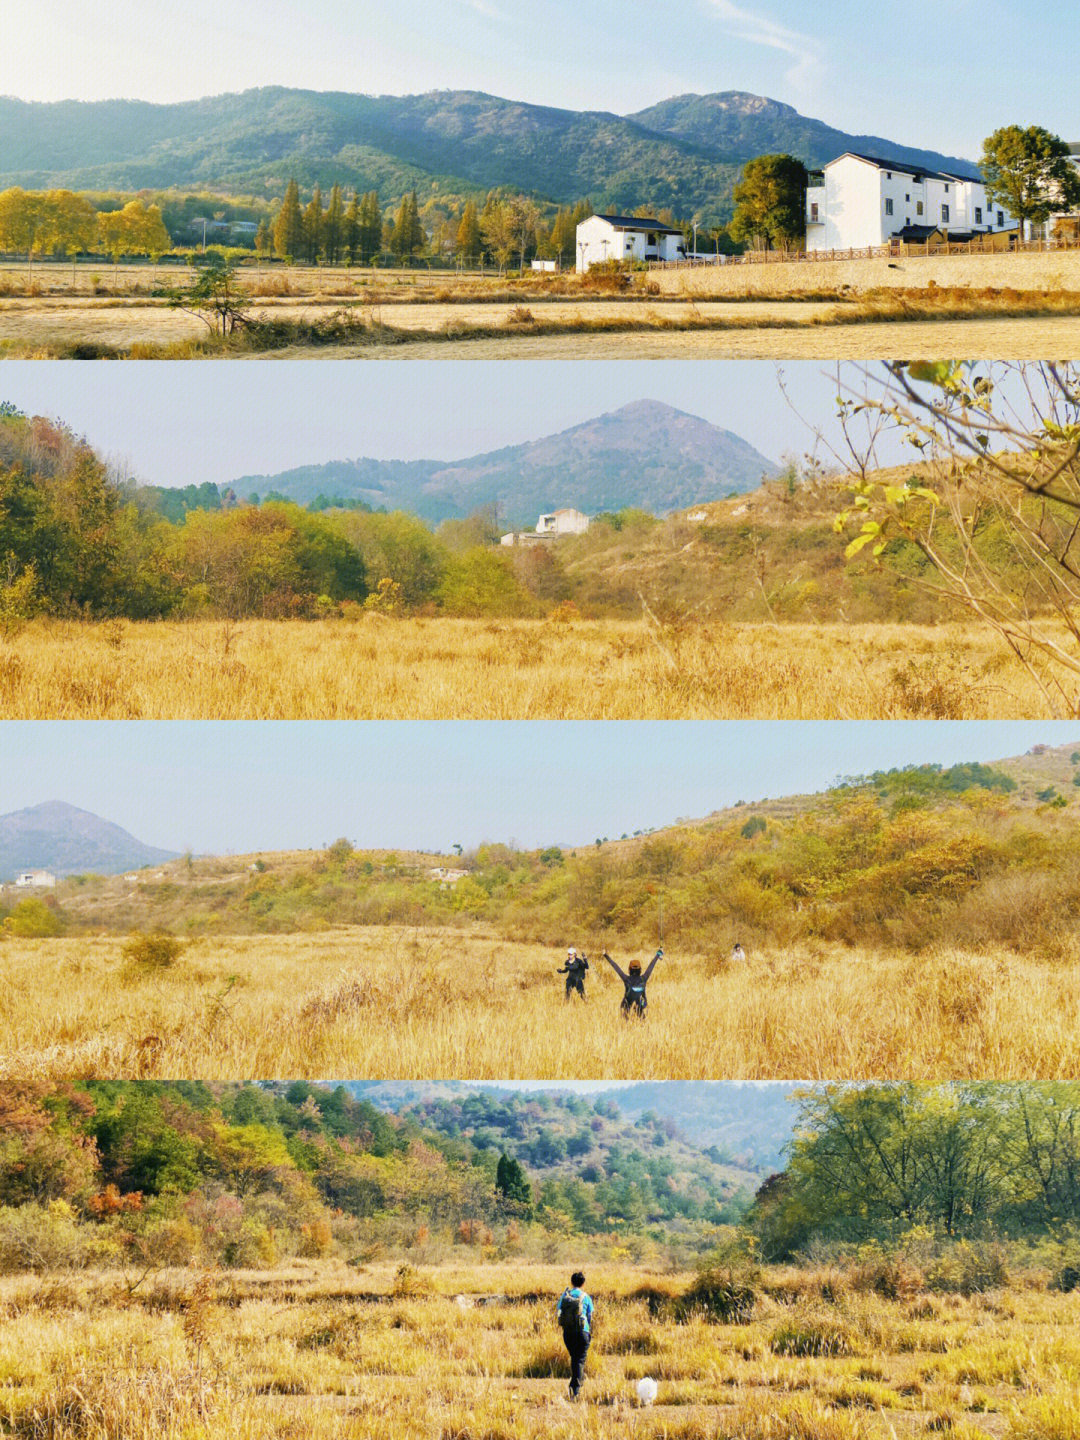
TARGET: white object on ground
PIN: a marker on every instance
(646, 1390)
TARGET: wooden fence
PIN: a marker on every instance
(979, 245)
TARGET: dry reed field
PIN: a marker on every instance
(64, 312)
(411, 668)
(394, 1003)
(469, 1351)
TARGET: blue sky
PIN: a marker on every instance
(174, 423)
(941, 74)
(237, 786)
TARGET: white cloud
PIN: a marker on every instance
(804, 74)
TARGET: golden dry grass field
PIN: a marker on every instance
(62, 312)
(393, 1003)
(470, 1351)
(411, 668)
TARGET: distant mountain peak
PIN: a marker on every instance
(646, 454)
(57, 836)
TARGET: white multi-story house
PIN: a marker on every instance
(626, 237)
(862, 200)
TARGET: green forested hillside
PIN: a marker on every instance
(675, 155)
(154, 1173)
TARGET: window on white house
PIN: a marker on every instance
(813, 210)
(888, 207)
(918, 207)
(1001, 218)
(946, 188)
(888, 174)
(945, 214)
(978, 214)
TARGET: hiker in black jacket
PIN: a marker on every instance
(574, 1313)
(574, 970)
(634, 1001)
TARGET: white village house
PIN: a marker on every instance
(549, 527)
(35, 880)
(626, 237)
(862, 200)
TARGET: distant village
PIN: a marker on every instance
(855, 202)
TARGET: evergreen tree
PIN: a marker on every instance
(468, 235)
(289, 225)
(408, 235)
(350, 230)
(511, 1181)
(371, 226)
(263, 239)
(333, 225)
(313, 227)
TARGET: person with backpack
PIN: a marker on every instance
(634, 1001)
(574, 970)
(574, 1313)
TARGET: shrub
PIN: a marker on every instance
(813, 1336)
(969, 1269)
(155, 951)
(33, 919)
(718, 1295)
(408, 1280)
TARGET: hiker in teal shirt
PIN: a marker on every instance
(574, 1313)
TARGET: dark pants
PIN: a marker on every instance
(577, 1350)
(575, 984)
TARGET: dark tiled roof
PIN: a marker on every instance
(905, 169)
(916, 232)
(637, 222)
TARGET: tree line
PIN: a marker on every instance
(101, 1173)
(78, 539)
(880, 1162)
(62, 222)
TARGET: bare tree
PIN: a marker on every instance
(992, 502)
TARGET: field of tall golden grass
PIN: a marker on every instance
(389, 1002)
(380, 667)
(470, 1351)
(90, 311)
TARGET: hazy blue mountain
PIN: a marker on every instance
(685, 152)
(68, 841)
(646, 454)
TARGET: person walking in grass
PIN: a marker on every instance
(574, 1313)
(634, 1001)
(574, 970)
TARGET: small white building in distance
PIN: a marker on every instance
(549, 527)
(626, 237)
(35, 880)
(862, 200)
(562, 522)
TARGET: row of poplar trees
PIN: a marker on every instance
(354, 231)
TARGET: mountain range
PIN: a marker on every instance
(59, 837)
(684, 152)
(746, 1124)
(647, 454)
